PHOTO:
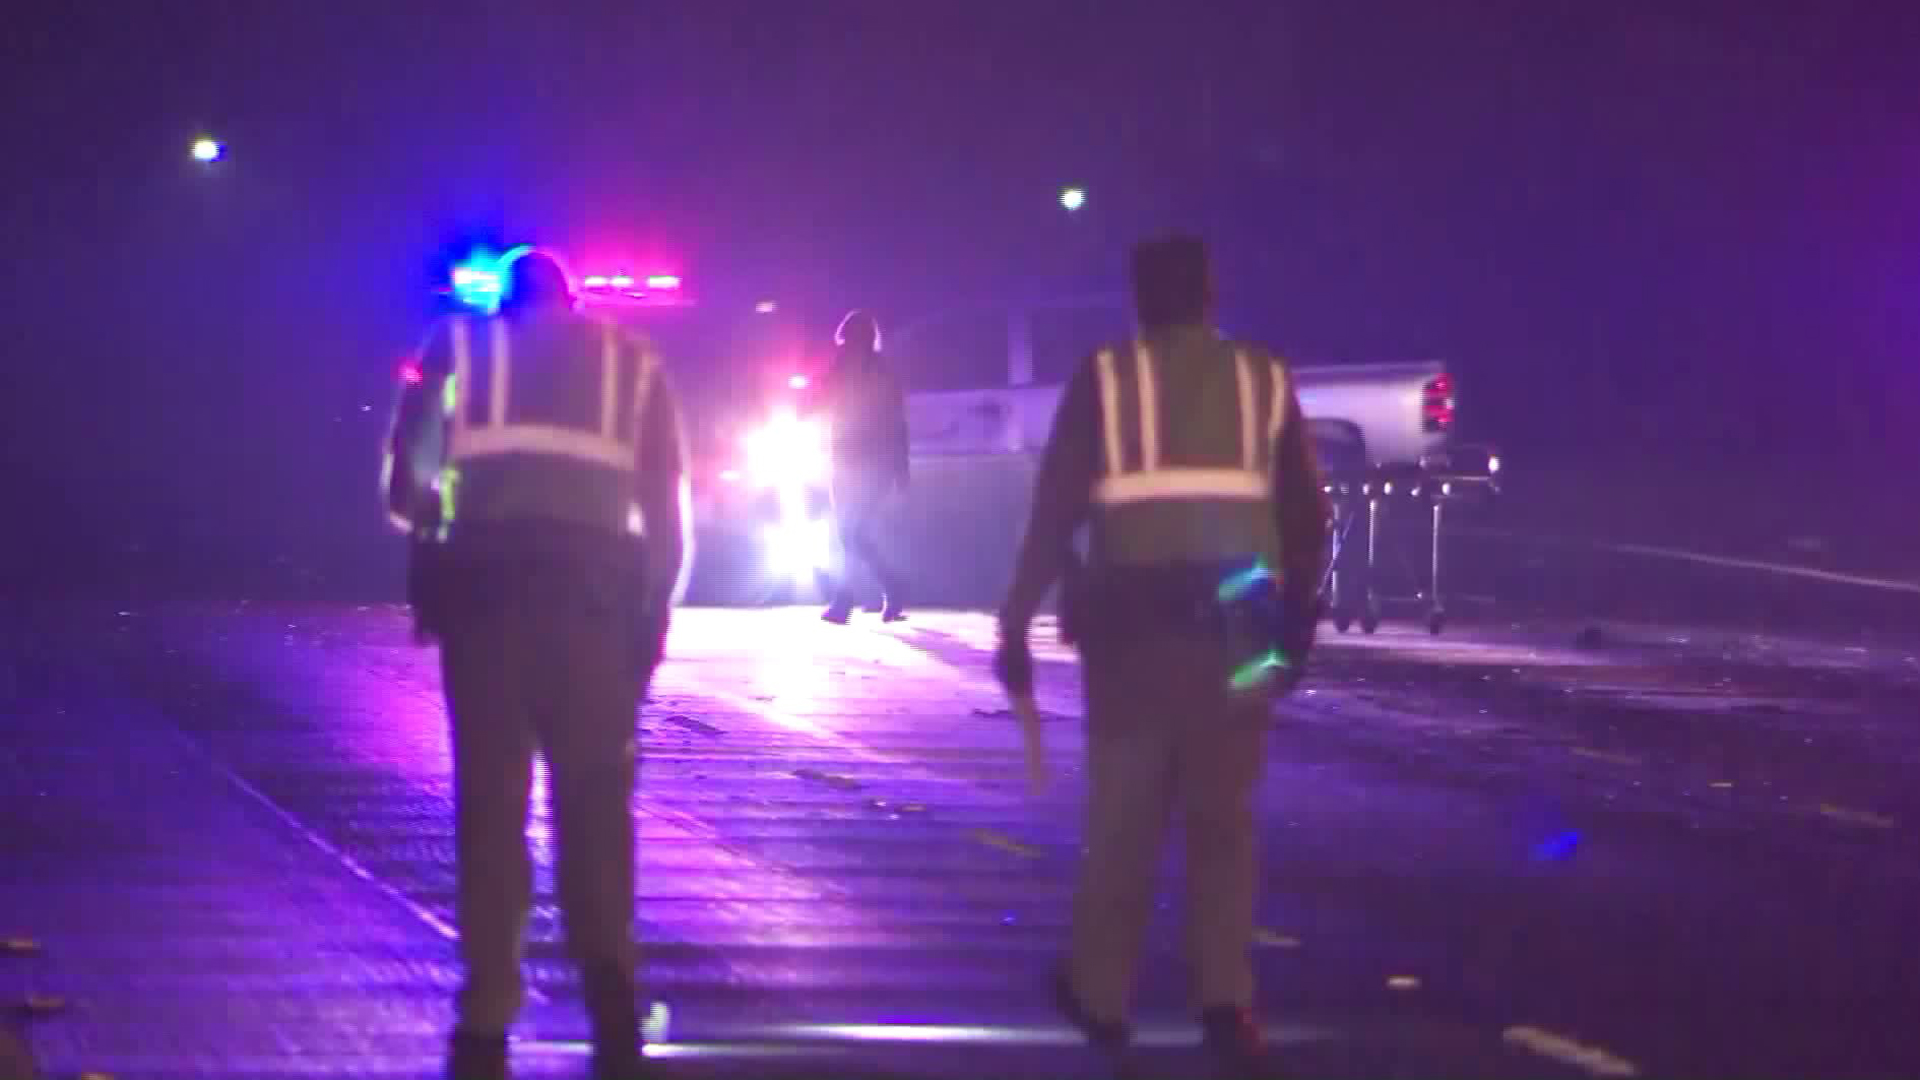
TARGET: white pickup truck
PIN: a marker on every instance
(1397, 414)
(1379, 422)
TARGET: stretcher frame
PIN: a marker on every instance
(1362, 494)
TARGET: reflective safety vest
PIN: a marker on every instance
(541, 421)
(1199, 489)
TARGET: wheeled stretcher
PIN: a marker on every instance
(1364, 494)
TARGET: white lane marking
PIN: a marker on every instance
(1724, 561)
(773, 1040)
(1568, 1052)
(1781, 569)
(347, 862)
(1145, 1035)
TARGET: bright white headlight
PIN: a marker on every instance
(788, 450)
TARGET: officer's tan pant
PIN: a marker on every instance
(544, 671)
(1166, 733)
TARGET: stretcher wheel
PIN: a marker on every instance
(1369, 621)
(1342, 621)
(1436, 622)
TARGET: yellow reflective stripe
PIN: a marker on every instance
(502, 373)
(1243, 374)
(642, 392)
(1237, 485)
(1149, 394)
(1110, 410)
(544, 439)
(1279, 417)
(609, 380)
(462, 371)
(682, 451)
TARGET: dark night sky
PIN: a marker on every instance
(1673, 228)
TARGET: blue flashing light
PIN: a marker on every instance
(481, 281)
(1562, 845)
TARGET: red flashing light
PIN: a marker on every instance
(1437, 403)
(411, 374)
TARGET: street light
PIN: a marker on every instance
(207, 151)
(1073, 198)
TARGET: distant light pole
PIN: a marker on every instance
(1073, 198)
(208, 150)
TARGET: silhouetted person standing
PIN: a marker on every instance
(867, 417)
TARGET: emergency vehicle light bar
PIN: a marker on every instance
(654, 290)
(627, 281)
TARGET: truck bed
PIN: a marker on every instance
(1381, 403)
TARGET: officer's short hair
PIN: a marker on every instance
(1172, 280)
(536, 280)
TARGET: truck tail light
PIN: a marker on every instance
(1436, 404)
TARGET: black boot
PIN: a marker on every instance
(894, 588)
(895, 609)
(1233, 1041)
(614, 1019)
(840, 608)
(476, 1057)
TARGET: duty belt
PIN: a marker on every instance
(1237, 602)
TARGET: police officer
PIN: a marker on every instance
(538, 463)
(867, 415)
(1185, 454)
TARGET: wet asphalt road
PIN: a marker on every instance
(1515, 850)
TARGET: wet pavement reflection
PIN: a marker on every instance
(1520, 849)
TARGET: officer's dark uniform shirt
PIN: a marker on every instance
(1138, 447)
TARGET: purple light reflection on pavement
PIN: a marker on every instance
(388, 724)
